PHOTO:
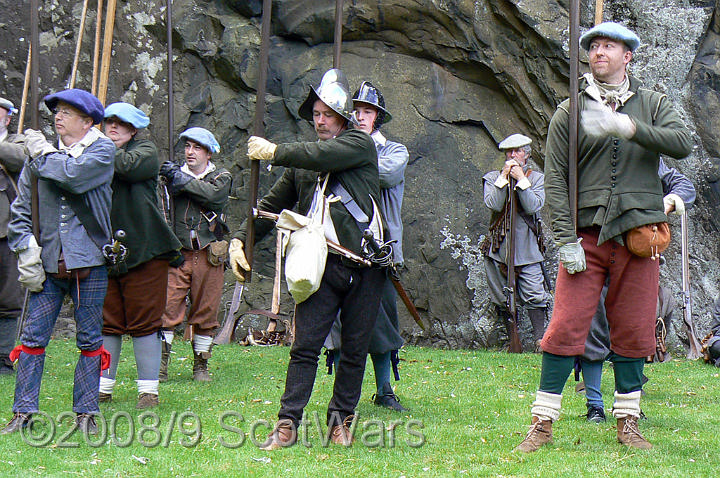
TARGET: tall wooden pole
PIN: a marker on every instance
(34, 100)
(96, 49)
(171, 95)
(26, 87)
(337, 43)
(574, 113)
(107, 50)
(258, 130)
(599, 12)
(81, 32)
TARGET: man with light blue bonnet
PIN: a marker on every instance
(74, 195)
(12, 158)
(200, 191)
(623, 130)
(137, 287)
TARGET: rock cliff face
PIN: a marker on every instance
(458, 76)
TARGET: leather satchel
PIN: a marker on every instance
(648, 240)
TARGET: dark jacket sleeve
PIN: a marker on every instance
(137, 161)
(667, 134)
(12, 153)
(674, 182)
(211, 195)
(349, 150)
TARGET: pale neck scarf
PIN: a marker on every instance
(208, 169)
(78, 148)
(608, 93)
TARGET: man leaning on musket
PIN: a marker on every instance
(12, 158)
(528, 253)
(623, 130)
(74, 214)
(350, 157)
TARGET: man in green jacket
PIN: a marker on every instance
(200, 190)
(349, 157)
(137, 287)
(12, 158)
(623, 130)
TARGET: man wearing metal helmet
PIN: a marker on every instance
(371, 114)
(200, 189)
(12, 158)
(349, 157)
(137, 287)
(528, 245)
(623, 130)
(74, 198)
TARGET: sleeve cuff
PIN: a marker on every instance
(524, 183)
(500, 182)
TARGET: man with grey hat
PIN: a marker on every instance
(12, 158)
(349, 157)
(623, 130)
(528, 246)
(200, 189)
(74, 196)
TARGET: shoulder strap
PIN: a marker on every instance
(348, 201)
(87, 219)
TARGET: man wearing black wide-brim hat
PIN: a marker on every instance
(74, 177)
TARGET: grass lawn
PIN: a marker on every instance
(469, 409)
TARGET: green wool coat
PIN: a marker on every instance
(618, 184)
(135, 203)
(351, 157)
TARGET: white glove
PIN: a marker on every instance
(572, 257)
(32, 273)
(238, 261)
(260, 148)
(601, 121)
(36, 144)
(674, 204)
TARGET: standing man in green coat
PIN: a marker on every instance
(624, 129)
(137, 287)
(349, 157)
(200, 190)
(12, 158)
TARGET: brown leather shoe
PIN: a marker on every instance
(19, 420)
(540, 433)
(629, 435)
(104, 397)
(147, 400)
(284, 435)
(341, 434)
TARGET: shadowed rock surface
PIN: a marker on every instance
(458, 76)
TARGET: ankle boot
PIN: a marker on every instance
(200, 367)
(164, 361)
(540, 434)
(629, 435)
(537, 319)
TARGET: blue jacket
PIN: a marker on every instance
(88, 175)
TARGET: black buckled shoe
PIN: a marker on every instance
(85, 422)
(19, 420)
(388, 399)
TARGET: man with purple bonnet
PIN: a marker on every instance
(623, 130)
(73, 183)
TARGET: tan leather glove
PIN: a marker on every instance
(30, 266)
(238, 261)
(260, 148)
(36, 144)
(572, 256)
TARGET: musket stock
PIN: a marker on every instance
(515, 344)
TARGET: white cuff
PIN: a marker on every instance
(524, 183)
(107, 385)
(148, 386)
(627, 404)
(547, 406)
(500, 182)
